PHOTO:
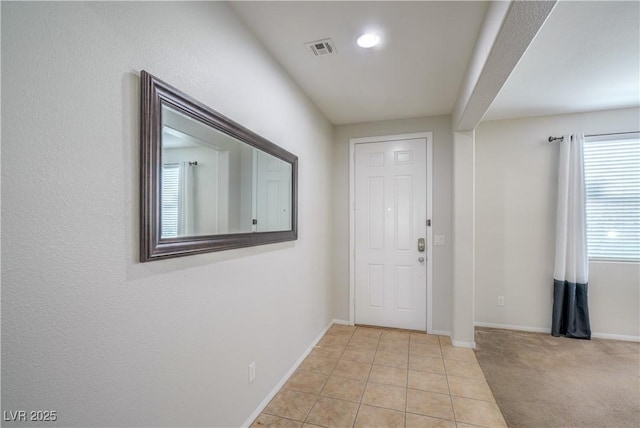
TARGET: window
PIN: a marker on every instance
(612, 175)
(170, 200)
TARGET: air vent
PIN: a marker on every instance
(321, 47)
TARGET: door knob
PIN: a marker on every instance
(421, 244)
(421, 259)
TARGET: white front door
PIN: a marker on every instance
(390, 219)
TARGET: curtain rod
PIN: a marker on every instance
(552, 139)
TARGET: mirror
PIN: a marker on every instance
(215, 184)
(207, 183)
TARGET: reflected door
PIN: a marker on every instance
(273, 197)
(390, 219)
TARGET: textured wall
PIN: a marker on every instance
(442, 166)
(516, 176)
(86, 329)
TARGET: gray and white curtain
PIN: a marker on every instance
(571, 271)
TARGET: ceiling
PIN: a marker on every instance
(585, 57)
(416, 70)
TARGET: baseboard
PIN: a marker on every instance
(548, 330)
(461, 344)
(440, 332)
(615, 337)
(513, 327)
(341, 322)
(285, 378)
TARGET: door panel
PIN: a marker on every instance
(273, 193)
(376, 286)
(404, 288)
(390, 217)
(404, 213)
(376, 213)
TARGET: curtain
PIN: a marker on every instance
(571, 271)
(187, 199)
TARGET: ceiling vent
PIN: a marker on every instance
(321, 47)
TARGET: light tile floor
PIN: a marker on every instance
(373, 377)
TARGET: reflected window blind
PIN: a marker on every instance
(612, 176)
(170, 200)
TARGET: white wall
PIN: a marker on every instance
(516, 176)
(86, 329)
(442, 165)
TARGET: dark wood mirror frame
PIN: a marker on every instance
(154, 94)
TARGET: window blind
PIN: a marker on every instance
(612, 178)
(170, 200)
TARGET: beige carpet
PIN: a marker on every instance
(543, 381)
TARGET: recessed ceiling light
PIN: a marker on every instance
(368, 40)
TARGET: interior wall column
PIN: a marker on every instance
(462, 310)
(508, 30)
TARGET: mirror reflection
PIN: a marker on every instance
(213, 184)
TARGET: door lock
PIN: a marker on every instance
(421, 245)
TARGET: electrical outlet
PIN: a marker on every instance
(252, 372)
(439, 240)
(500, 300)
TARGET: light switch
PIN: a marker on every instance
(439, 240)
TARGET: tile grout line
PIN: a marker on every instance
(366, 382)
(406, 391)
(328, 376)
(316, 395)
(446, 374)
(370, 369)
(360, 402)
